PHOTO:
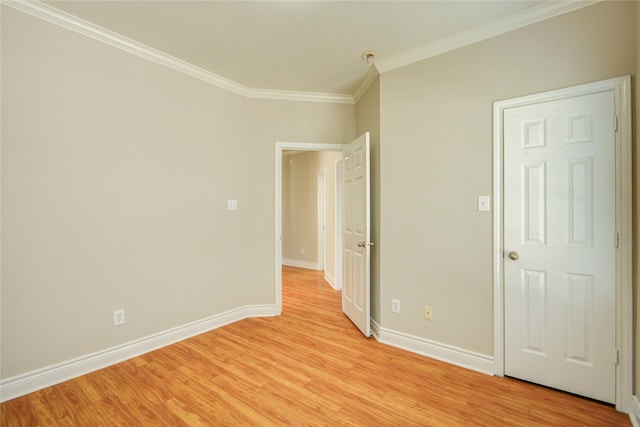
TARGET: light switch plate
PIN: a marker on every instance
(484, 203)
(395, 306)
(232, 205)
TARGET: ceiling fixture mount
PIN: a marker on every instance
(367, 56)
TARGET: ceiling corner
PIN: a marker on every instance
(547, 10)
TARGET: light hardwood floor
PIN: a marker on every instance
(308, 367)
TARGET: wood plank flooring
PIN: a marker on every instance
(308, 367)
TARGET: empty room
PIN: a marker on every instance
(319, 213)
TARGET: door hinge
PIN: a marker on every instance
(616, 356)
(615, 123)
(617, 240)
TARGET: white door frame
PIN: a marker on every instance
(624, 295)
(338, 223)
(279, 148)
(321, 194)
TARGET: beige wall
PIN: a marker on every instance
(115, 176)
(300, 207)
(327, 164)
(327, 161)
(272, 121)
(368, 120)
(436, 159)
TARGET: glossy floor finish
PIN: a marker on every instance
(308, 367)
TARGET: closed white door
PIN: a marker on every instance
(356, 233)
(559, 241)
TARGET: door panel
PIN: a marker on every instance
(356, 233)
(559, 210)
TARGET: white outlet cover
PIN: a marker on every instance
(118, 317)
(232, 205)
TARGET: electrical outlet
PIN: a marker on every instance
(428, 312)
(395, 306)
(303, 251)
(118, 317)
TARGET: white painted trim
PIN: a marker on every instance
(369, 78)
(338, 223)
(310, 265)
(321, 193)
(29, 382)
(624, 258)
(446, 353)
(510, 23)
(287, 95)
(86, 28)
(330, 279)
(624, 294)
(375, 329)
(495, 28)
(498, 247)
(279, 148)
(634, 414)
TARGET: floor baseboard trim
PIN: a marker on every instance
(330, 279)
(435, 350)
(300, 264)
(29, 382)
(375, 329)
(634, 414)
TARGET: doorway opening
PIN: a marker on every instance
(335, 280)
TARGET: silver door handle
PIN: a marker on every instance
(514, 255)
(363, 244)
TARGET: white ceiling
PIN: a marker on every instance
(307, 46)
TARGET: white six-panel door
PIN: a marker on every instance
(356, 233)
(559, 241)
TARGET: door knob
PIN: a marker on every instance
(514, 255)
(363, 244)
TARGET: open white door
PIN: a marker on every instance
(356, 233)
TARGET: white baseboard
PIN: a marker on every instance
(456, 356)
(29, 382)
(330, 279)
(634, 414)
(435, 350)
(300, 263)
(375, 329)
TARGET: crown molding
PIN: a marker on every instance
(287, 95)
(519, 20)
(513, 22)
(73, 23)
(369, 78)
